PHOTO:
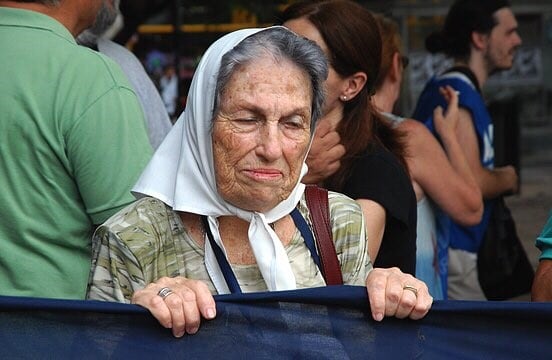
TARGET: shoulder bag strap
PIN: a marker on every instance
(317, 202)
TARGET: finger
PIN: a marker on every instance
(453, 98)
(322, 128)
(149, 299)
(383, 292)
(183, 306)
(438, 113)
(375, 286)
(174, 303)
(393, 293)
(336, 152)
(204, 299)
(407, 303)
(332, 168)
(423, 303)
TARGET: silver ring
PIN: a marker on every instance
(411, 288)
(164, 292)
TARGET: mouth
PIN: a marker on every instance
(263, 174)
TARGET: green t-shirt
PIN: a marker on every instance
(72, 144)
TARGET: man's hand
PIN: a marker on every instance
(324, 155)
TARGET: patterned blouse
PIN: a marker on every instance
(147, 240)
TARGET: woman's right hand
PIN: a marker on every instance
(445, 122)
(183, 307)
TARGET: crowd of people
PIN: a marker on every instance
(103, 198)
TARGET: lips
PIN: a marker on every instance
(264, 174)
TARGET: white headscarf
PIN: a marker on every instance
(181, 174)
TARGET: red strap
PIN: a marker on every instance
(317, 202)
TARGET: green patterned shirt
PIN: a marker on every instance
(147, 241)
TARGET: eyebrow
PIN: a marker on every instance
(512, 29)
(301, 110)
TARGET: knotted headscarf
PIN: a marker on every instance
(182, 175)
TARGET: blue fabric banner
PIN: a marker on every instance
(323, 323)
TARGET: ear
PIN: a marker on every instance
(395, 71)
(479, 40)
(354, 84)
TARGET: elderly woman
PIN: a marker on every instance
(220, 190)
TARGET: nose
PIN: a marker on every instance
(519, 41)
(269, 146)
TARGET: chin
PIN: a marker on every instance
(258, 201)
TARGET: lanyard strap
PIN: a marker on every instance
(227, 272)
(224, 265)
(306, 233)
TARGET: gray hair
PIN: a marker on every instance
(280, 43)
(105, 18)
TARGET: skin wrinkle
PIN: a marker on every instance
(261, 134)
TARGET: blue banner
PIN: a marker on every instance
(322, 323)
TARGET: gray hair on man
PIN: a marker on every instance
(104, 20)
(281, 44)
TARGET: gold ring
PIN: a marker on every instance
(164, 292)
(411, 288)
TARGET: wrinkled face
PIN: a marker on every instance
(261, 133)
(335, 83)
(503, 41)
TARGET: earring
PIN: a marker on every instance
(343, 98)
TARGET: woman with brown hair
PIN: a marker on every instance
(373, 169)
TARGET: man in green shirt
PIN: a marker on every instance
(72, 144)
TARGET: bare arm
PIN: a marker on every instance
(445, 177)
(492, 182)
(542, 283)
(374, 217)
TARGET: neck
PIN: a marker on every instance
(66, 15)
(333, 117)
(477, 65)
(385, 97)
(234, 236)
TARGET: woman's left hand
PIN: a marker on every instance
(394, 293)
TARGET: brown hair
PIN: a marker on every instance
(354, 43)
(391, 44)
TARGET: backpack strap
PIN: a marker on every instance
(317, 202)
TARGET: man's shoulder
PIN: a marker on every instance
(97, 66)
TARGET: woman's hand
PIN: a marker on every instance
(394, 293)
(445, 123)
(180, 305)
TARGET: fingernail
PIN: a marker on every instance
(180, 334)
(378, 316)
(211, 313)
(193, 330)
